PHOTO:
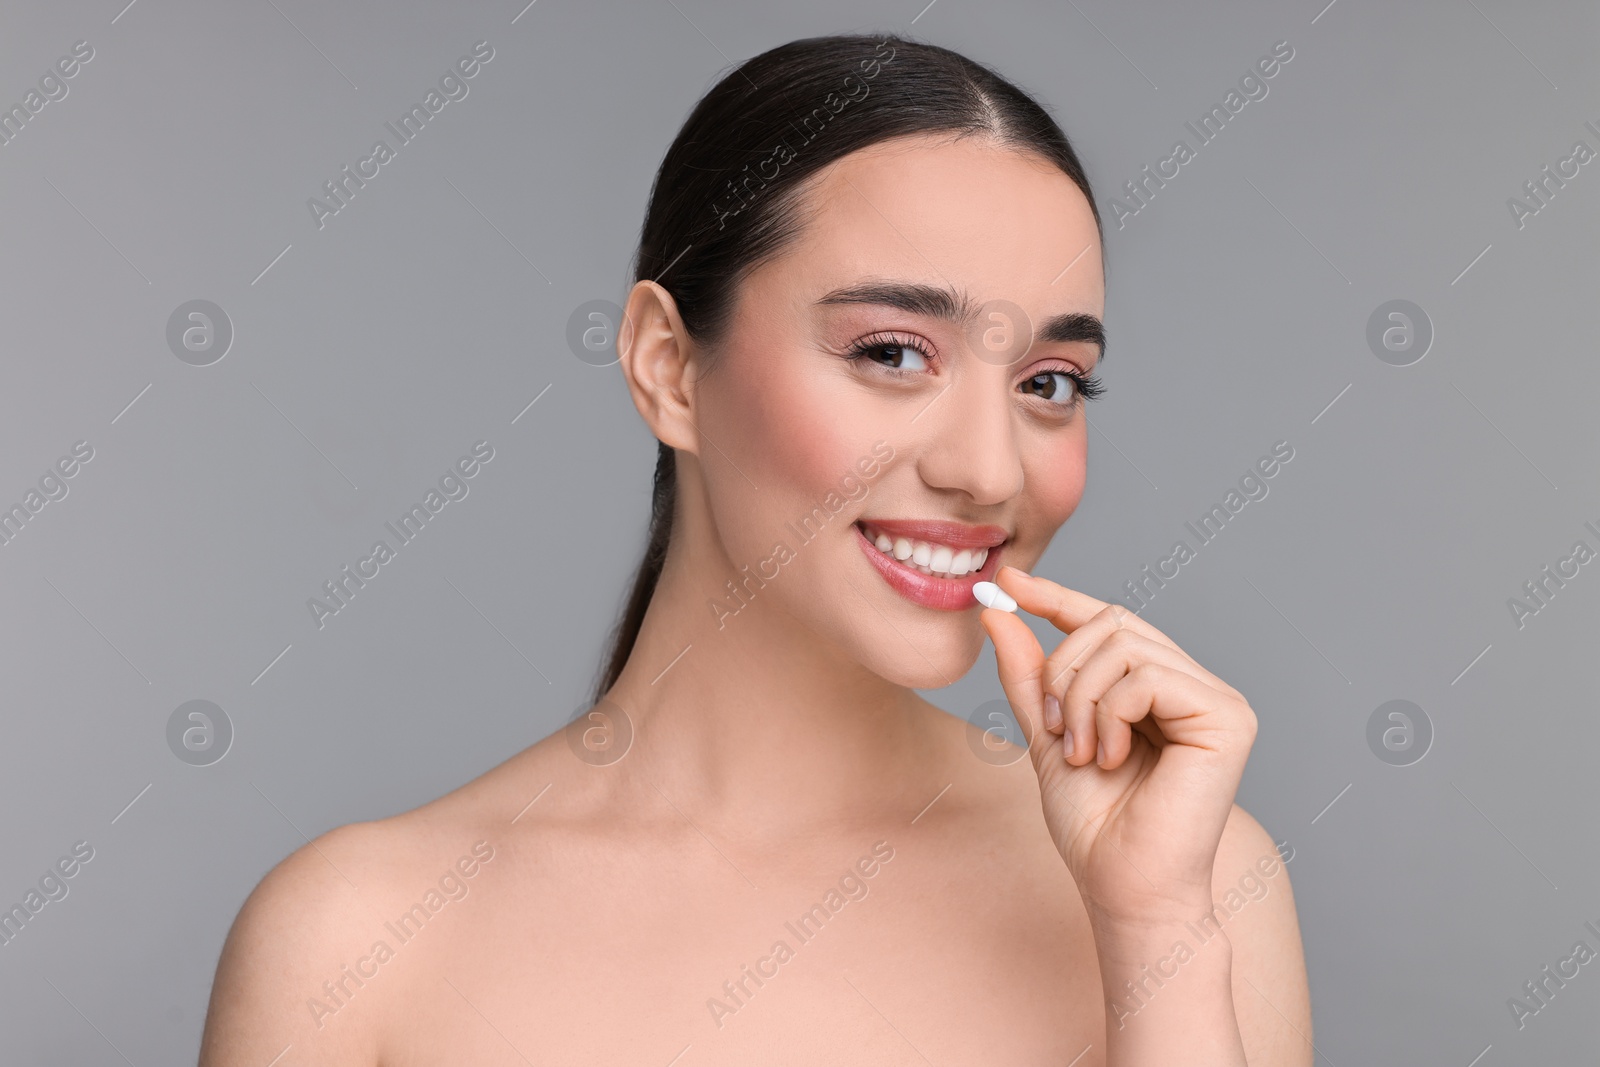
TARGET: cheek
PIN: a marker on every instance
(796, 429)
(1056, 473)
(792, 434)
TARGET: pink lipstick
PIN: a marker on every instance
(932, 562)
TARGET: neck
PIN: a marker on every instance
(753, 714)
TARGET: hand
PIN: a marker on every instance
(1137, 806)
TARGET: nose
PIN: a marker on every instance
(970, 443)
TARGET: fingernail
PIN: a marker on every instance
(1066, 744)
(1052, 712)
(1100, 754)
(1016, 570)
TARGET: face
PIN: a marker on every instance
(902, 381)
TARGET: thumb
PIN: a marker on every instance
(1021, 661)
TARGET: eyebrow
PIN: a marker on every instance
(933, 302)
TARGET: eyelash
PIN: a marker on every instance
(1085, 387)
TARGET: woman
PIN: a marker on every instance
(865, 321)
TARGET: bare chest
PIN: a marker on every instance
(903, 955)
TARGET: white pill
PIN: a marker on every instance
(992, 596)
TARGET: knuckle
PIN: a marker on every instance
(1248, 722)
(1062, 691)
(1148, 673)
(1078, 707)
(1122, 640)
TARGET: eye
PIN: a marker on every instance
(895, 354)
(1063, 387)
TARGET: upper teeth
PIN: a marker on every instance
(929, 557)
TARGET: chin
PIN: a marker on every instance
(930, 656)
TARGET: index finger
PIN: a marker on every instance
(1067, 609)
(1020, 660)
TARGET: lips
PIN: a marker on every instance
(932, 591)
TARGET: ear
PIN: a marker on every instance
(655, 354)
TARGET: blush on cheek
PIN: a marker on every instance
(809, 460)
(1056, 479)
(799, 433)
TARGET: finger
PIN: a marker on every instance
(1114, 661)
(1119, 654)
(1075, 612)
(1066, 608)
(1071, 654)
(1020, 659)
(1112, 656)
(1190, 713)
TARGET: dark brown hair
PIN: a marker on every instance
(727, 195)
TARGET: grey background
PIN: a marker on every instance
(432, 310)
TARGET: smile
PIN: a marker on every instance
(934, 564)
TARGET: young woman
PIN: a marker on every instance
(866, 318)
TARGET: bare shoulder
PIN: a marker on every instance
(295, 931)
(1253, 904)
(291, 970)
